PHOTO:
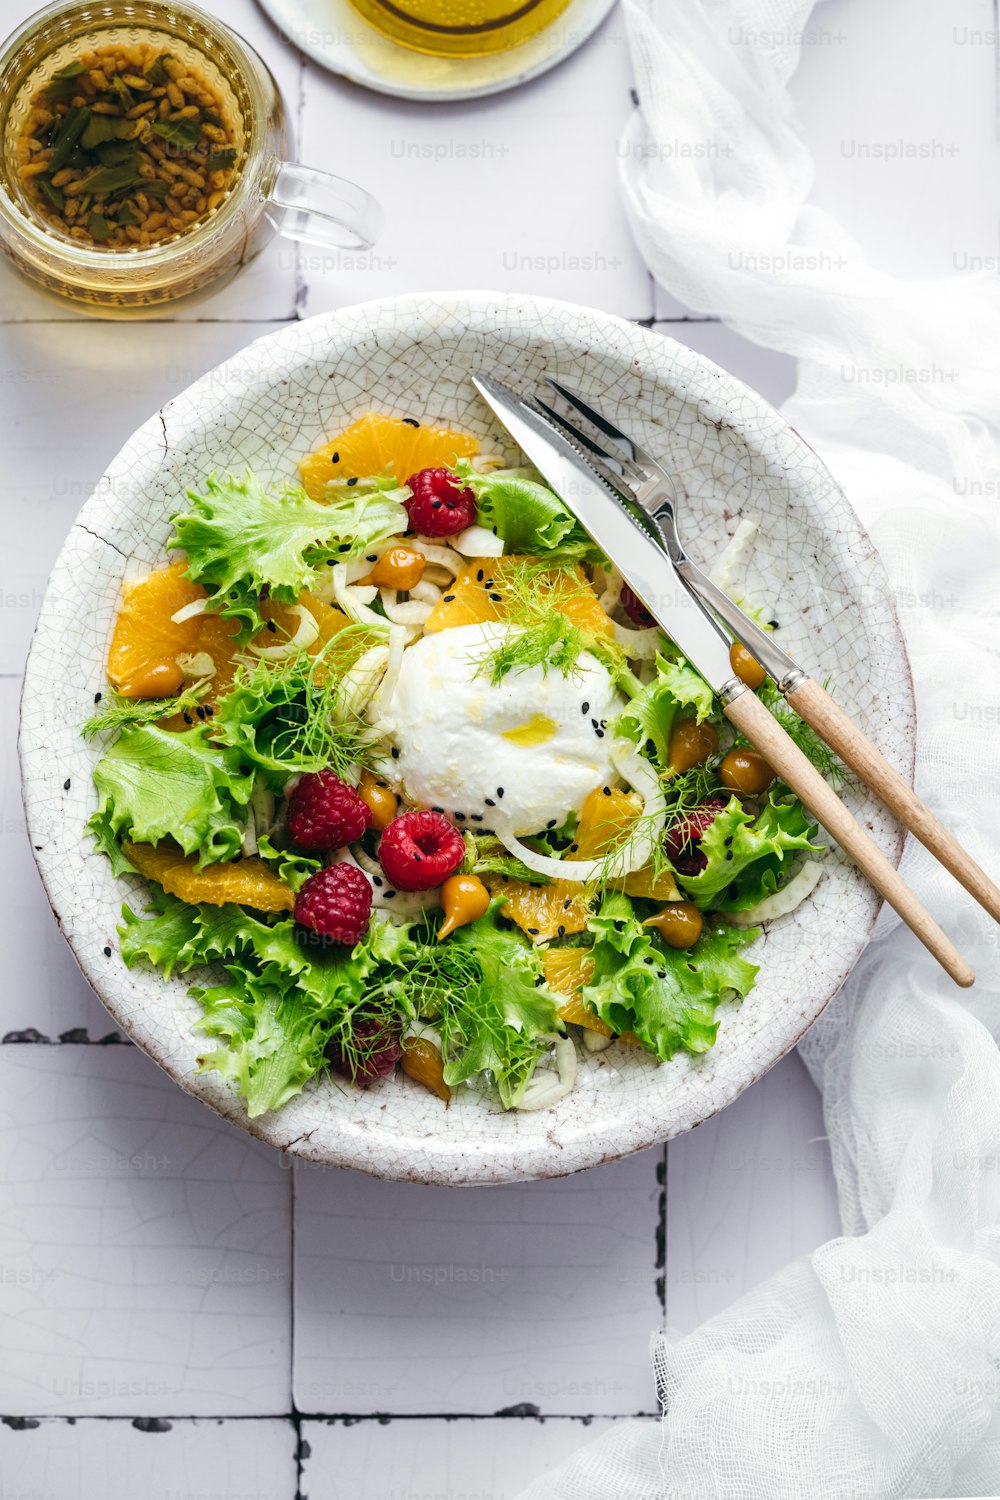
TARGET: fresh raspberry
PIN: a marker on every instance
(439, 506)
(419, 850)
(324, 813)
(682, 839)
(373, 1050)
(336, 903)
(635, 609)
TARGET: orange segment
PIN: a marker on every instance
(543, 912)
(145, 641)
(472, 598)
(567, 970)
(375, 443)
(248, 882)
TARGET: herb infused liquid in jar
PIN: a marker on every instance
(143, 158)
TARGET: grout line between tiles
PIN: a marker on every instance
(349, 1418)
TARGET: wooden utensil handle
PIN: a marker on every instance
(812, 703)
(784, 756)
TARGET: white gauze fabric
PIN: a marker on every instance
(870, 1368)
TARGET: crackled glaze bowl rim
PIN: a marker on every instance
(392, 1131)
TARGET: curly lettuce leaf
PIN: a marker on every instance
(242, 537)
(667, 997)
(500, 1017)
(748, 856)
(284, 994)
(651, 714)
(524, 512)
(154, 784)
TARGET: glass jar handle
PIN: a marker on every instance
(320, 209)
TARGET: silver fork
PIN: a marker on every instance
(639, 480)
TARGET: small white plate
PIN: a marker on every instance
(334, 35)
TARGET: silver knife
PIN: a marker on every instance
(651, 574)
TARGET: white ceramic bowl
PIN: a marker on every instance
(732, 454)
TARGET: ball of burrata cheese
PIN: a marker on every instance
(519, 754)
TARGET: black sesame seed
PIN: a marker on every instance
(66, 784)
(272, 627)
(561, 930)
(344, 547)
(448, 599)
(459, 817)
(729, 853)
(662, 973)
(335, 458)
(594, 724)
(499, 791)
(496, 598)
(567, 903)
(574, 848)
(389, 894)
(188, 719)
(533, 931)
(436, 504)
(98, 697)
(376, 880)
(330, 562)
(728, 841)
(411, 421)
(586, 708)
(200, 711)
(476, 817)
(600, 734)
(774, 624)
(488, 584)
(604, 723)
(607, 791)
(551, 823)
(479, 576)
(489, 802)
(352, 482)
(209, 710)
(395, 753)
(107, 953)
(649, 959)
(437, 809)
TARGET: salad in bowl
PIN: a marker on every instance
(417, 786)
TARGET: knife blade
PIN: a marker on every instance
(643, 564)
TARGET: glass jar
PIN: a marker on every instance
(266, 193)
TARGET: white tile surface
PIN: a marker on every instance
(144, 1245)
(96, 1460)
(747, 1192)
(70, 395)
(435, 1460)
(517, 192)
(43, 990)
(487, 1298)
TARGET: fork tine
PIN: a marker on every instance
(625, 444)
(578, 432)
(597, 458)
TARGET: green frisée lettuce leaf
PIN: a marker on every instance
(524, 513)
(651, 714)
(284, 997)
(155, 784)
(240, 535)
(666, 996)
(365, 511)
(499, 1016)
(748, 856)
(242, 538)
